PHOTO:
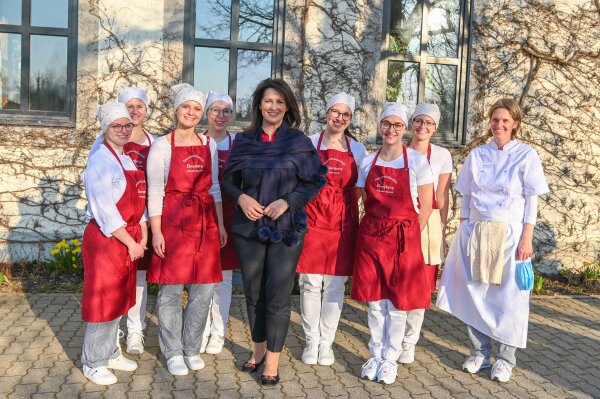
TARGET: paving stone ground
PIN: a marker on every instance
(41, 337)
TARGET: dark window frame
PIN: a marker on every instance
(25, 116)
(462, 62)
(190, 42)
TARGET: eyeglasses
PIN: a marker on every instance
(217, 111)
(345, 115)
(422, 122)
(397, 126)
(119, 128)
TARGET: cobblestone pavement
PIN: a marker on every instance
(41, 337)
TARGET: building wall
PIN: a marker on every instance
(545, 53)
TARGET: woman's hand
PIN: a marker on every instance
(158, 244)
(144, 242)
(252, 209)
(276, 208)
(135, 250)
(525, 248)
(222, 235)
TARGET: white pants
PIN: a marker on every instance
(219, 307)
(321, 313)
(387, 325)
(136, 317)
(414, 321)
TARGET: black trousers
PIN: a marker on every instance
(268, 272)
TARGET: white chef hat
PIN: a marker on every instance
(430, 110)
(394, 109)
(186, 92)
(110, 112)
(129, 93)
(214, 96)
(342, 98)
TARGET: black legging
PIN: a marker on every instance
(268, 272)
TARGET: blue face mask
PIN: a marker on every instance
(524, 275)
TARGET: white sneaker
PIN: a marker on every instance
(408, 353)
(310, 354)
(215, 344)
(176, 365)
(501, 371)
(370, 368)
(135, 343)
(474, 364)
(99, 375)
(326, 357)
(122, 363)
(387, 373)
(194, 362)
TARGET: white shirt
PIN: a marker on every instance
(418, 168)
(157, 172)
(440, 162)
(100, 140)
(223, 145)
(358, 149)
(495, 184)
(105, 184)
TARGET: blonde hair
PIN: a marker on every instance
(513, 108)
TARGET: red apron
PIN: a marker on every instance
(389, 261)
(229, 259)
(139, 155)
(109, 274)
(188, 221)
(332, 218)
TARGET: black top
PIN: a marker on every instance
(286, 168)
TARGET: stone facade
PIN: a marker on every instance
(545, 53)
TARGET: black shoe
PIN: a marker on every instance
(269, 379)
(249, 367)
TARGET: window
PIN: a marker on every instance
(231, 45)
(38, 61)
(426, 55)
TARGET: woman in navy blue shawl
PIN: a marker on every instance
(272, 172)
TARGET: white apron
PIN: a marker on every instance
(431, 239)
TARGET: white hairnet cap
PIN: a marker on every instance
(342, 98)
(430, 110)
(129, 93)
(110, 112)
(394, 109)
(186, 92)
(214, 96)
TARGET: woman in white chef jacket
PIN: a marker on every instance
(425, 122)
(500, 183)
(113, 241)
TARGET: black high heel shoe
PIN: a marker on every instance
(269, 379)
(250, 367)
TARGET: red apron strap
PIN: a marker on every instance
(148, 138)
(114, 153)
(405, 155)
(228, 138)
(173, 138)
(348, 145)
(429, 153)
(320, 141)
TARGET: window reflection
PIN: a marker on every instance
(403, 82)
(256, 21)
(10, 12)
(440, 88)
(211, 69)
(10, 70)
(253, 66)
(405, 27)
(443, 20)
(213, 19)
(48, 73)
(52, 14)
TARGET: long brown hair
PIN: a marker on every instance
(292, 116)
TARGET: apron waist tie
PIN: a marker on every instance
(198, 202)
(401, 227)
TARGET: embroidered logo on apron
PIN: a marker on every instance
(386, 184)
(335, 170)
(194, 164)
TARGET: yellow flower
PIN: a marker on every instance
(76, 250)
(73, 259)
(67, 250)
(75, 242)
(54, 252)
(74, 266)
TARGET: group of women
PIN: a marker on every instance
(190, 207)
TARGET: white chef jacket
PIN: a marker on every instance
(157, 172)
(418, 167)
(105, 184)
